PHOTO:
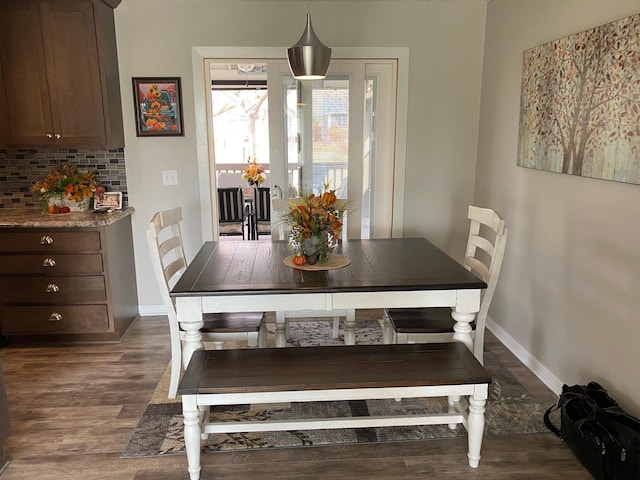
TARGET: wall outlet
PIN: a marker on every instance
(169, 177)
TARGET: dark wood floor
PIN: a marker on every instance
(73, 410)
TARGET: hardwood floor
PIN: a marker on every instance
(74, 408)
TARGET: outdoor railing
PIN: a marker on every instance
(334, 174)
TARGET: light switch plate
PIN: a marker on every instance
(169, 177)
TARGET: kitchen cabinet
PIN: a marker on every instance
(5, 426)
(59, 83)
(67, 284)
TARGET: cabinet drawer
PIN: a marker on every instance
(58, 319)
(49, 241)
(54, 290)
(54, 264)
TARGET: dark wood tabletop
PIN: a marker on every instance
(378, 265)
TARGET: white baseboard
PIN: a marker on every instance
(151, 310)
(532, 363)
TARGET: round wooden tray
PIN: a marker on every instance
(333, 261)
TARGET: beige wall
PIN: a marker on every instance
(445, 41)
(568, 294)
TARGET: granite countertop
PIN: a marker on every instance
(35, 217)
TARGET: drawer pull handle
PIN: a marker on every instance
(46, 240)
(58, 136)
(49, 135)
(55, 317)
(49, 262)
(53, 288)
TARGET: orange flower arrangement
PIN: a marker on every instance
(316, 225)
(65, 181)
(254, 173)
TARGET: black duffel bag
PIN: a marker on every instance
(598, 431)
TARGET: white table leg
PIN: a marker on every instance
(350, 327)
(192, 431)
(189, 313)
(281, 327)
(475, 429)
(452, 400)
(462, 329)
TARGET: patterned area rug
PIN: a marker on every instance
(510, 410)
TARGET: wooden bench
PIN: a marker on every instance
(309, 374)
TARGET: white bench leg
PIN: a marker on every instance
(192, 429)
(475, 429)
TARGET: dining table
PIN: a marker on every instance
(227, 276)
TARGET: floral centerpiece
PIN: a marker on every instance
(64, 184)
(254, 173)
(316, 226)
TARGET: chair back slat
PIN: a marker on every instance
(262, 199)
(231, 205)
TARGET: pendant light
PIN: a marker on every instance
(309, 58)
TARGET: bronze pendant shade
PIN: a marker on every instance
(309, 58)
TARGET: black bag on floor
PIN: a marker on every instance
(598, 431)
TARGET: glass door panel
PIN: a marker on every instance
(331, 130)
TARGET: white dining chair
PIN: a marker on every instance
(485, 250)
(169, 262)
(280, 208)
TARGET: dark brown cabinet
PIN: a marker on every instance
(59, 83)
(5, 426)
(67, 284)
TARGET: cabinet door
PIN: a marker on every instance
(25, 112)
(73, 72)
(51, 86)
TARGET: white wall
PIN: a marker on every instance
(568, 295)
(445, 39)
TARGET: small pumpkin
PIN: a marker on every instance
(299, 260)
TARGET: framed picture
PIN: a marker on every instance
(158, 106)
(111, 200)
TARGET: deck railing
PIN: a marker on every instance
(334, 174)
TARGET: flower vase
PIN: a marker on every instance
(74, 206)
(316, 248)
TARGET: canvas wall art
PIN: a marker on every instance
(580, 104)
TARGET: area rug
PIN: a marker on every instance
(510, 410)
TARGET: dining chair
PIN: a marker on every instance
(485, 250)
(169, 262)
(232, 211)
(262, 211)
(281, 208)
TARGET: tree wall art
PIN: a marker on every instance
(580, 104)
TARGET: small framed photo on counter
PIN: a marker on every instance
(158, 106)
(108, 200)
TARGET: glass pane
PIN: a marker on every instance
(317, 134)
(240, 125)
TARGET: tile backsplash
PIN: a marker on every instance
(20, 168)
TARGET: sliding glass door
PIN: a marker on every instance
(331, 140)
